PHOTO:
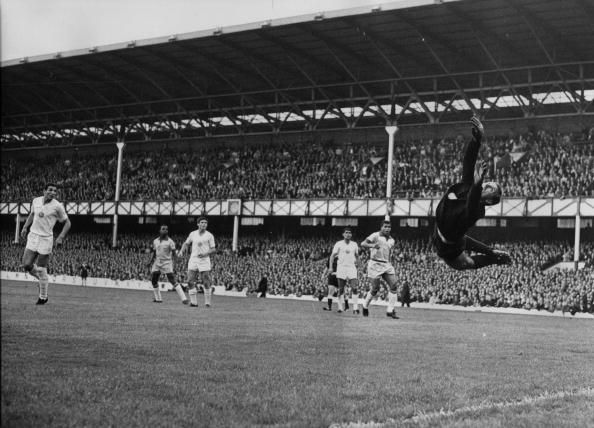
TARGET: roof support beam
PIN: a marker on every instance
(291, 49)
(429, 36)
(372, 39)
(479, 28)
(253, 58)
(512, 89)
(390, 45)
(521, 82)
(323, 92)
(535, 25)
(141, 71)
(331, 45)
(62, 65)
(461, 90)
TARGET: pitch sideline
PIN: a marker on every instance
(429, 417)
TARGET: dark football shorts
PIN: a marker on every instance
(332, 280)
(448, 251)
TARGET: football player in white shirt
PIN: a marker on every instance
(45, 211)
(199, 265)
(381, 246)
(162, 256)
(346, 252)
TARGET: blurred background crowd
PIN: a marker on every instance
(534, 164)
(537, 164)
(295, 265)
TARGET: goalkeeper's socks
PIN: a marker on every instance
(472, 244)
(481, 260)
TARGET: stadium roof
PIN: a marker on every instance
(415, 61)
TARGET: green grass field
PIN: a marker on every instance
(106, 357)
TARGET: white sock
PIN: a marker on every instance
(157, 293)
(367, 300)
(207, 295)
(392, 301)
(43, 282)
(180, 292)
(355, 302)
(192, 292)
(341, 303)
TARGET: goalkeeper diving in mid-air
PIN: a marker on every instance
(460, 208)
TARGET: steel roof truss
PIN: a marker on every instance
(512, 90)
(252, 58)
(323, 92)
(291, 49)
(114, 75)
(535, 24)
(271, 120)
(479, 28)
(24, 107)
(296, 109)
(394, 46)
(346, 68)
(148, 78)
(452, 78)
(425, 34)
(63, 66)
(428, 113)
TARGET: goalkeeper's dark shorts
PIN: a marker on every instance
(448, 250)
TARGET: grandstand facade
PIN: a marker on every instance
(280, 127)
(325, 80)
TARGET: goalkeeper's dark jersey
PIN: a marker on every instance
(459, 208)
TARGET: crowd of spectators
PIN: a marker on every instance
(537, 164)
(295, 265)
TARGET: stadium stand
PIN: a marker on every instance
(538, 164)
(295, 266)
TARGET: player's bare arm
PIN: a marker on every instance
(331, 263)
(65, 229)
(182, 251)
(152, 258)
(368, 244)
(27, 224)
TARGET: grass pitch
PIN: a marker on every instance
(107, 357)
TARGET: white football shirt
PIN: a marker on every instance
(381, 254)
(201, 243)
(163, 249)
(46, 215)
(347, 253)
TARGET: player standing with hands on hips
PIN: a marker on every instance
(45, 211)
